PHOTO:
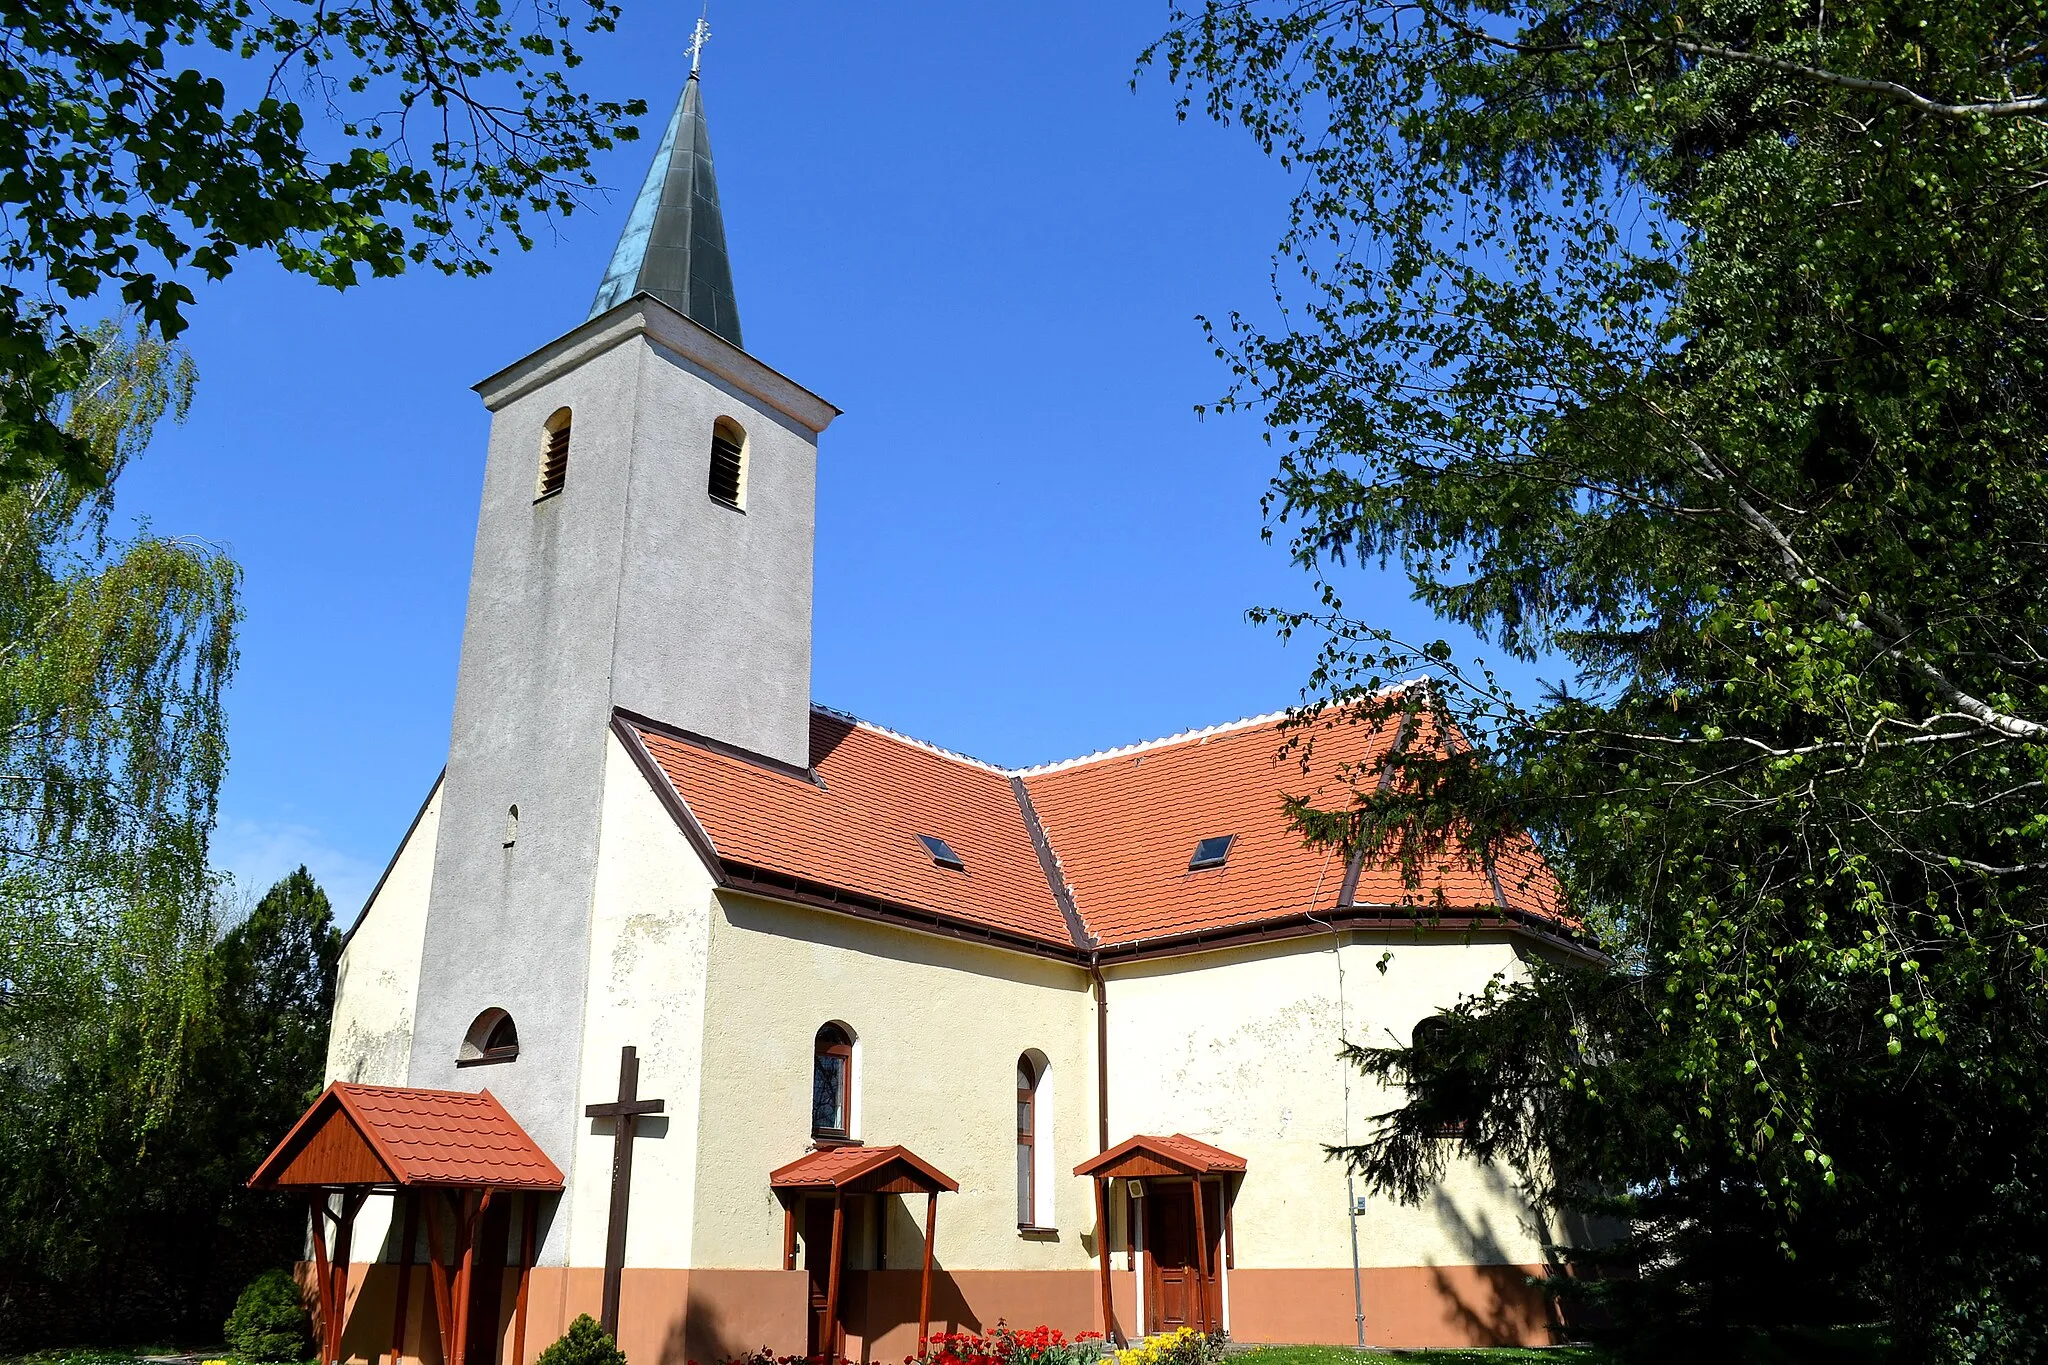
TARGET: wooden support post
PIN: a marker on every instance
(924, 1292)
(1201, 1259)
(1102, 1256)
(1229, 1226)
(467, 1274)
(830, 1348)
(459, 1323)
(344, 1237)
(323, 1283)
(444, 1308)
(788, 1234)
(406, 1238)
(526, 1251)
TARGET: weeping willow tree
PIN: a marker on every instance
(113, 655)
(1697, 349)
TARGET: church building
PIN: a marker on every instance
(736, 1021)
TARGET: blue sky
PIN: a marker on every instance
(958, 223)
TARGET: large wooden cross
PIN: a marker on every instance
(625, 1113)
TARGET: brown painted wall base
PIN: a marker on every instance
(1451, 1305)
(673, 1317)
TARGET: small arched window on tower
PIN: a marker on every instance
(832, 1084)
(511, 826)
(554, 455)
(728, 482)
(492, 1038)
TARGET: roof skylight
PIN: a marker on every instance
(942, 852)
(1211, 852)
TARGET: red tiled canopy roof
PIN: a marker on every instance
(398, 1135)
(863, 1170)
(1183, 1154)
(1118, 828)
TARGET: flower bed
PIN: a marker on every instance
(1003, 1344)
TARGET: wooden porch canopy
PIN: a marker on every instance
(1149, 1157)
(1138, 1157)
(414, 1144)
(856, 1170)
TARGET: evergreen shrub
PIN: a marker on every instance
(270, 1322)
(585, 1343)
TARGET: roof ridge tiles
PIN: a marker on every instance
(1123, 750)
(1204, 732)
(913, 740)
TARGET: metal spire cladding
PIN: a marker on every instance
(673, 246)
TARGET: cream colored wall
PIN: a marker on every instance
(940, 1025)
(649, 933)
(378, 978)
(1238, 1048)
(375, 987)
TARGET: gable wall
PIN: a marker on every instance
(649, 931)
(378, 979)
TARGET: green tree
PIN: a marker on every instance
(119, 1227)
(145, 146)
(113, 656)
(1694, 348)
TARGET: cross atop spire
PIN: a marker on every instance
(673, 245)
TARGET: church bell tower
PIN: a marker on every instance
(644, 544)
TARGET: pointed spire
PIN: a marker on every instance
(673, 246)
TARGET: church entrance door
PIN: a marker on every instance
(825, 1338)
(487, 1283)
(1172, 1275)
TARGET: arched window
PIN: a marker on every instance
(554, 454)
(832, 1083)
(1035, 1170)
(1027, 1143)
(1453, 1105)
(511, 825)
(728, 482)
(492, 1038)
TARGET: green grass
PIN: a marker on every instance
(1345, 1355)
(89, 1355)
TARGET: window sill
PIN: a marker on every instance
(728, 505)
(546, 496)
(1036, 1233)
(823, 1140)
(491, 1058)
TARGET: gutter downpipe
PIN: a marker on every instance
(1101, 1055)
(1102, 1112)
(1350, 1185)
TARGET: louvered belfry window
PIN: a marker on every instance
(728, 462)
(554, 455)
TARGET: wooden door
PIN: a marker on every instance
(1172, 1279)
(487, 1282)
(824, 1339)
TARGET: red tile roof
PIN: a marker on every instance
(856, 827)
(417, 1137)
(1122, 826)
(853, 1167)
(1190, 1154)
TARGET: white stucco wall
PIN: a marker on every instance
(378, 979)
(940, 1025)
(649, 931)
(1238, 1048)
